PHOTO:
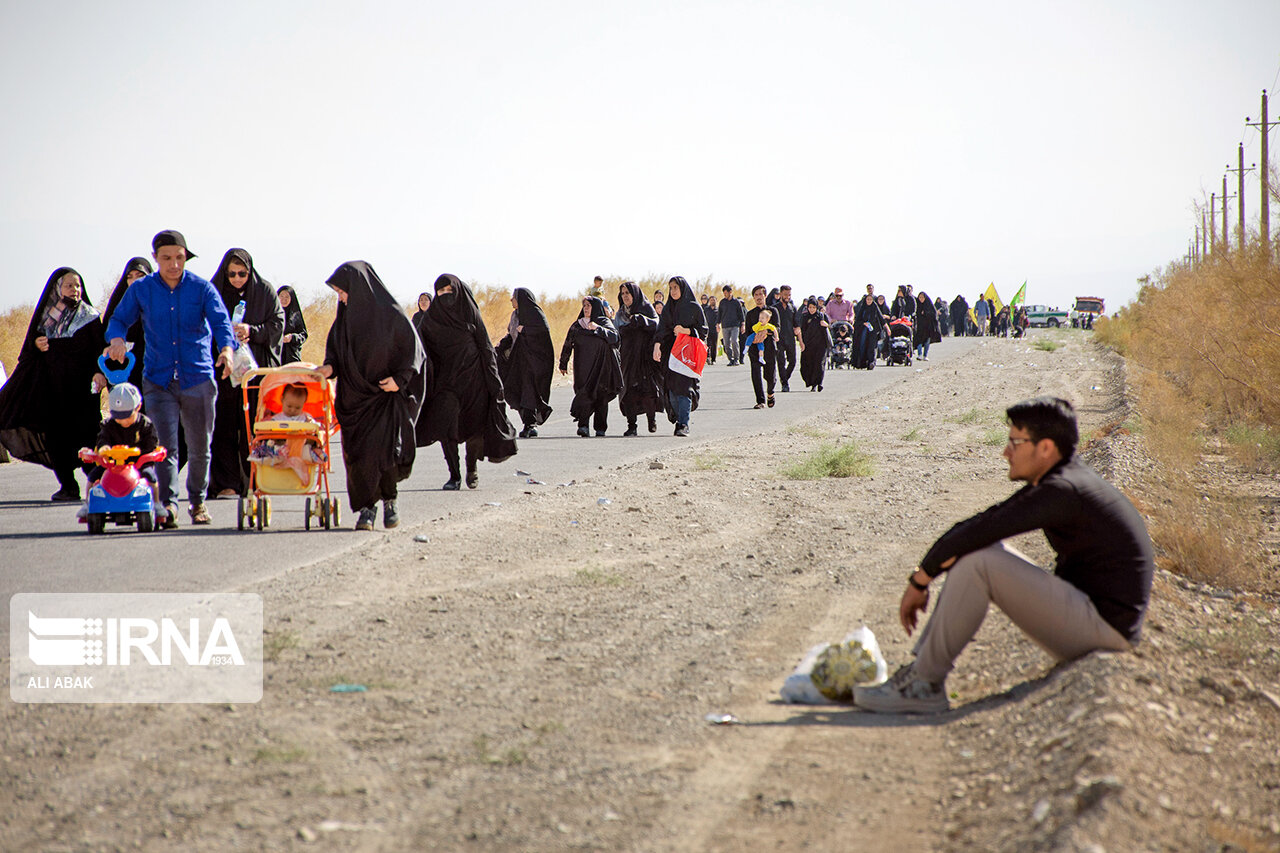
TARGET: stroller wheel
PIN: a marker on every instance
(306, 518)
(240, 514)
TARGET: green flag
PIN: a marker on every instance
(1021, 296)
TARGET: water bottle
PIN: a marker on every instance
(237, 316)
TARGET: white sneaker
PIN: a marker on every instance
(904, 693)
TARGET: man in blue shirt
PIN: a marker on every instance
(182, 316)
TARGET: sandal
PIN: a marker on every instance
(771, 401)
(758, 406)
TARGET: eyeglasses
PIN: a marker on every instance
(231, 274)
(1014, 442)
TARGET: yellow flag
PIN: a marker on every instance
(993, 296)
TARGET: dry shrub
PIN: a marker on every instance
(1211, 541)
(13, 330)
(1212, 330)
(1205, 340)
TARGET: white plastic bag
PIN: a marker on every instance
(242, 362)
(798, 689)
(854, 660)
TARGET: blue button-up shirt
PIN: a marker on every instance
(177, 325)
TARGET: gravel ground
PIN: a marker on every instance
(538, 673)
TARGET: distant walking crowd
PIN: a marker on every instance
(404, 383)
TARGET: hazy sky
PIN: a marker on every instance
(938, 143)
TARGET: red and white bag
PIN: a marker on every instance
(688, 356)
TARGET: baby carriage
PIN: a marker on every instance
(841, 352)
(900, 343)
(288, 456)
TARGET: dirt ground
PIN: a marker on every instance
(538, 673)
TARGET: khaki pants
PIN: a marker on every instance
(1057, 615)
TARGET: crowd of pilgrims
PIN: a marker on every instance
(407, 382)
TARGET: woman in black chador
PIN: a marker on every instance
(295, 326)
(134, 270)
(48, 411)
(261, 328)
(382, 375)
(597, 376)
(815, 340)
(466, 405)
(682, 315)
(526, 361)
(637, 323)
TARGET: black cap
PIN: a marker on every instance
(170, 238)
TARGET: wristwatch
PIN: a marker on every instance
(911, 579)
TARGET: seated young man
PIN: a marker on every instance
(1095, 598)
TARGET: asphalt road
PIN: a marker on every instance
(43, 549)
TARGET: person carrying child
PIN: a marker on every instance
(297, 453)
(763, 329)
(127, 426)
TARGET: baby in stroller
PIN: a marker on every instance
(295, 453)
(841, 344)
(900, 341)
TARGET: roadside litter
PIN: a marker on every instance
(721, 719)
(603, 502)
(348, 688)
(422, 537)
(829, 671)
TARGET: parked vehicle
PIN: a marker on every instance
(1043, 315)
(1086, 310)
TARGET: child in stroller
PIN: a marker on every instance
(899, 348)
(841, 354)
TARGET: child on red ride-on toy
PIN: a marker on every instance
(125, 434)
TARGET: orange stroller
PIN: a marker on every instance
(288, 457)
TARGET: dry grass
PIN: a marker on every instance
(494, 301)
(13, 328)
(495, 307)
(1206, 343)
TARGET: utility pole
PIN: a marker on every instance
(1226, 238)
(1265, 176)
(1240, 170)
(1204, 236)
(1213, 223)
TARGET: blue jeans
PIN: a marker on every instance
(922, 351)
(682, 405)
(193, 408)
(732, 348)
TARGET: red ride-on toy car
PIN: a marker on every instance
(122, 496)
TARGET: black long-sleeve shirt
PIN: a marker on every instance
(730, 312)
(142, 434)
(1101, 541)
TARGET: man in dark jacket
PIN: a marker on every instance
(784, 317)
(1095, 598)
(733, 325)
